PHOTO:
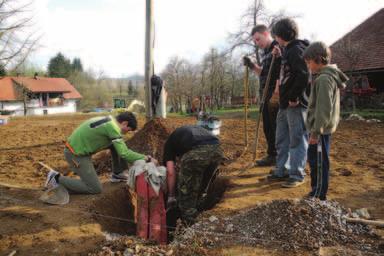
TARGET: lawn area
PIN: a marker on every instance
(253, 112)
(367, 113)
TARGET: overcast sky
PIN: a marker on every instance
(108, 35)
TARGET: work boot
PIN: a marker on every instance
(266, 161)
(121, 177)
(292, 183)
(52, 180)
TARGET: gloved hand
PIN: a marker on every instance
(171, 202)
(248, 63)
(151, 159)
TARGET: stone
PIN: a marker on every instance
(213, 218)
(129, 252)
(363, 213)
(229, 228)
(169, 253)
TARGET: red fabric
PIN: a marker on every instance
(151, 214)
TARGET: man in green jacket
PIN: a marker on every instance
(323, 114)
(90, 137)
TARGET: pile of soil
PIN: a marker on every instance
(151, 138)
(149, 141)
(291, 224)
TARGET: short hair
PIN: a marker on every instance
(259, 29)
(319, 52)
(129, 117)
(286, 29)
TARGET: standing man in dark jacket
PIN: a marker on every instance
(262, 38)
(291, 135)
(199, 154)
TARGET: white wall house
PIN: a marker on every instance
(42, 96)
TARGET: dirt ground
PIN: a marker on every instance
(30, 227)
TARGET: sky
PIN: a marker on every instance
(108, 35)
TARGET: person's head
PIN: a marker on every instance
(261, 36)
(127, 122)
(285, 31)
(317, 55)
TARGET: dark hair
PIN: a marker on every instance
(259, 29)
(319, 52)
(127, 116)
(286, 29)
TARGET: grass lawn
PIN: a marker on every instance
(366, 113)
(253, 112)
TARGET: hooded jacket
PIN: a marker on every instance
(294, 77)
(324, 101)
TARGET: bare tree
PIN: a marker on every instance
(242, 38)
(350, 51)
(15, 42)
(255, 14)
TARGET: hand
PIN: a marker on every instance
(149, 158)
(293, 104)
(248, 63)
(171, 202)
(275, 98)
(154, 161)
(276, 51)
(313, 140)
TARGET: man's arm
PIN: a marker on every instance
(256, 68)
(300, 75)
(125, 153)
(113, 132)
(324, 104)
(171, 178)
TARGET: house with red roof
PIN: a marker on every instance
(360, 54)
(37, 95)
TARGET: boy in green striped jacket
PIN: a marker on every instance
(90, 137)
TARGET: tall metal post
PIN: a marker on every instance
(149, 35)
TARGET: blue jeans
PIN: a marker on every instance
(319, 173)
(291, 142)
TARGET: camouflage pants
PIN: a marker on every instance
(197, 166)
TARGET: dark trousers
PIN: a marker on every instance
(118, 164)
(319, 171)
(269, 126)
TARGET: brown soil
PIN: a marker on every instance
(33, 228)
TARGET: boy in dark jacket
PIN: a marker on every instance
(291, 135)
(323, 114)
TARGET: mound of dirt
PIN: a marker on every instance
(290, 224)
(149, 141)
(151, 138)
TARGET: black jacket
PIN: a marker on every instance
(266, 64)
(295, 78)
(185, 138)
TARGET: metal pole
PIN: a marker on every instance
(149, 28)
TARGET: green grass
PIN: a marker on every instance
(226, 113)
(366, 113)
(237, 113)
